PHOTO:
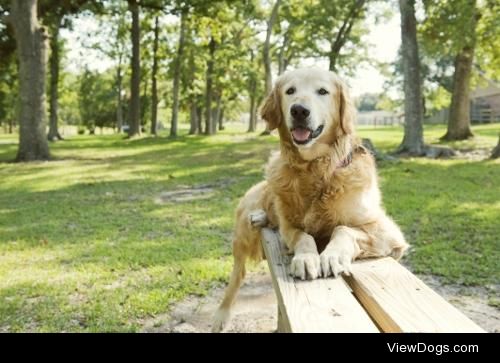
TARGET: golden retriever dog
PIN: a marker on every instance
(320, 190)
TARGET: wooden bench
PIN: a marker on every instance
(380, 296)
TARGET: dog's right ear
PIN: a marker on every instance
(347, 110)
(271, 109)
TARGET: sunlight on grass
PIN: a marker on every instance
(87, 244)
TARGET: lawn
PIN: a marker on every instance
(88, 244)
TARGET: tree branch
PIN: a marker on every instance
(344, 31)
(346, 27)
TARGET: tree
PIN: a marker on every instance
(458, 30)
(266, 56)
(8, 72)
(495, 154)
(114, 22)
(32, 54)
(266, 52)
(368, 101)
(154, 87)
(96, 99)
(54, 15)
(331, 29)
(253, 78)
(354, 13)
(193, 83)
(177, 73)
(54, 82)
(413, 140)
(135, 82)
(212, 45)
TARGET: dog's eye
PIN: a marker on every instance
(290, 91)
(323, 91)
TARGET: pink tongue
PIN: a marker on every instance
(300, 134)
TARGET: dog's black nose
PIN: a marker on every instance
(299, 112)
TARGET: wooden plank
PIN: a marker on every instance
(322, 305)
(398, 301)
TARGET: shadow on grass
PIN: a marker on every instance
(86, 235)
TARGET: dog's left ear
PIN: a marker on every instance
(271, 109)
(347, 110)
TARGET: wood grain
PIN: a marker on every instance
(322, 305)
(398, 301)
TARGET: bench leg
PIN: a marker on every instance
(283, 325)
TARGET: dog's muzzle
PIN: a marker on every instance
(303, 135)
(301, 131)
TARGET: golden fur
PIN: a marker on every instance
(328, 211)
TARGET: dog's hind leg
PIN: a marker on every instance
(258, 218)
(223, 313)
(250, 218)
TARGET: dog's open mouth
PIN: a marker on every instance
(302, 136)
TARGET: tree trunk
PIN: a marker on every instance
(221, 119)
(54, 82)
(32, 54)
(144, 101)
(208, 91)
(252, 121)
(11, 125)
(199, 118)
(154, 89)
(459, 118)
(135, 82)
(119, 106)
(413, 140)
(252, 90)
(267, 53)
(495, 154)
(193, 118)
(193, 111)
(267, 46)
(282, 62)
(177, 76)
(217, 112)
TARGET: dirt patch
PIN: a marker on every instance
(470, 300)
(186, 193)
(473, 154)
(255, 308)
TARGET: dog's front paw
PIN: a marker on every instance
(305, 265)
(335, 261)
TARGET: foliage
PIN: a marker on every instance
(367, 102)
(96, 99)
(449, 25)
(69, 107)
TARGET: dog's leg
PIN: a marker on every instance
(305, 262)
(341, 250)
(223, 313)
(379, 239)
(386, 240)
(258, 218)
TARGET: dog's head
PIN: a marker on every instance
(312, 108)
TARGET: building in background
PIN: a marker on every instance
(485, 103)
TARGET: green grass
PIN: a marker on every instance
(86, 246)
(387, 138)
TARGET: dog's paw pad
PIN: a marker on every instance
(258, 218)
